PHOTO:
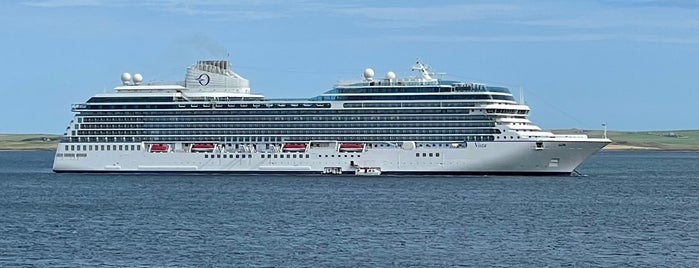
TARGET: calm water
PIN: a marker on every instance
(630, 209)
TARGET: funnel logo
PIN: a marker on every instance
(203, 79)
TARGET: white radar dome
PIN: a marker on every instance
(137, 79)
(369, 74)
(391, 76)
(125, 78)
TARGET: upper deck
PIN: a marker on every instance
(421, 84)
(214, 81)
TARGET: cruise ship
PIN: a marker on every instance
(212, 122)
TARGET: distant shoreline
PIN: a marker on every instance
(617, 147)
(631, 148)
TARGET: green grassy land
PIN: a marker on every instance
(28, 141)
(661, 140)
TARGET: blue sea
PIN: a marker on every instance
(628, 209)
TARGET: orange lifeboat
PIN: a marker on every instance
(351, 147)
(157, 148)
(294, 147)
(202, 147)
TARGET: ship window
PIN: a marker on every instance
(424, 154)
(206, 156)
(294, 156)
(121, 147)
(237, 156)
(430, 154)
(102, 149)
(275, 156)
(436, 154)
(138, 147)
(218, 156)
(243, 156)
(262, 156)
(307, 156)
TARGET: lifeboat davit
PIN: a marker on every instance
(351, 147)
(294, 147)
(155, 148)
(202, 147)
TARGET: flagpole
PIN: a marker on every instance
(605, 129)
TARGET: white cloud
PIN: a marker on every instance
(214, 9)
(548, 38)
(503, 38)
(641, 21)
(443, 13)
(65, 3)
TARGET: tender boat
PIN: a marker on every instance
(351, 147)
(202, 147)
(367, 171)
(159, 148)
(294, 147)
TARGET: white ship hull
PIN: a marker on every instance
(211, 122)
(556, 156)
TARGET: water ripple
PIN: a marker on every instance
(631, 209)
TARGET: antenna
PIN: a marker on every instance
(521, 95)
(423, 69)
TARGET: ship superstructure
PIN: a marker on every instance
(212, 122)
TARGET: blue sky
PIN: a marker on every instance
(631, 63)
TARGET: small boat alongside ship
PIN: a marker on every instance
(367, 171)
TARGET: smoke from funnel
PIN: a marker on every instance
(204, 44)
